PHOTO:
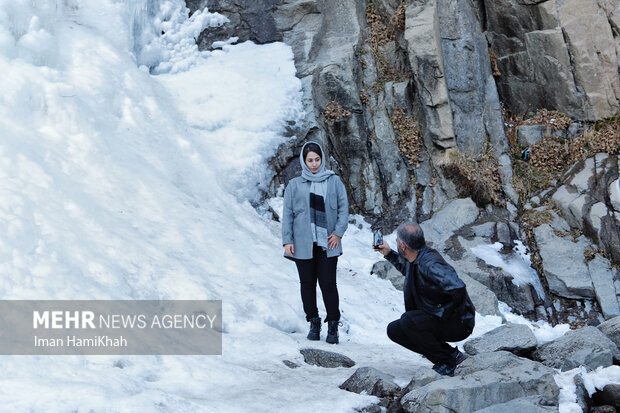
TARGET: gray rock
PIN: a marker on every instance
(584, 197)
(597, 212)
(504, 235)
(532, 404)
(290, 364)
(528, 135)
(424, 50)
(614, 194)
(583, 397)
(564, 268)
(371, 381)
(516, 230)
(471, 87)
(515, 338)
(547, 59)
(522, 299)
(453, 216)
(420, 378)
(385, 388)
(575, 129)
(610, 236)
(571, 203)
(390, 164)
(401, 93)
(383, 269)
(603, 409)
(374, 408)
(483, 299)
(611, 329)
(609, 396)
(324, 358)
(486, 230)
(512, 210)
(484, 380)
(602, 276)
(586, 346)
(249, 20)
(395, 407)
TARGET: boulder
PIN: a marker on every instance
(571, 203)
(373, 408)
(609, 396)
(528, 135)
(585, 200)
(611, 329)
(324, 358)
(484, 380)
(248, 20)
(587, 346)
(515, 338)
(581, 392)
(444, 223)
(521, 298)
(504, 235)
(384, 270)
(614, 194)
(485, 230)
(371, 381)
(602, 276)
(421, 377)
(483, 299)
(564, 267)
(603, 409)
(532, 404)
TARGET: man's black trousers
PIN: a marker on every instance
(427, 335)
(323, 269)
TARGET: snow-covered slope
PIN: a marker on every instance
(128, 160)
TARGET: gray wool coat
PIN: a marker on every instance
(296, 215)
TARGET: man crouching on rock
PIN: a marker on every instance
(437, 306)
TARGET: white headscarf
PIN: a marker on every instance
(320, 175)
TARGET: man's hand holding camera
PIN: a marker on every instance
(384, 248)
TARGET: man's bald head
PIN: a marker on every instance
(411, 235)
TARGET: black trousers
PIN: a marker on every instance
(426, 334)
(322, 269)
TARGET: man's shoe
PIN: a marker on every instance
(332, 332)
(315, 329)
(458, 357)
(444, 369)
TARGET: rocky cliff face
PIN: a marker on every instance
(389, 88)
(392, 88)
(405, 98)
(557, 54)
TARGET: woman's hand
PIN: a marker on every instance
(289, 249)
(332, 241)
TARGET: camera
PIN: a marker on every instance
(377, 238)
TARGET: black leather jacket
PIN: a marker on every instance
(432, 285)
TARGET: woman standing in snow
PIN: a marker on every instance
(316, 215)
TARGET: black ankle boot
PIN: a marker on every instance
(332, 332)
(315, 329)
